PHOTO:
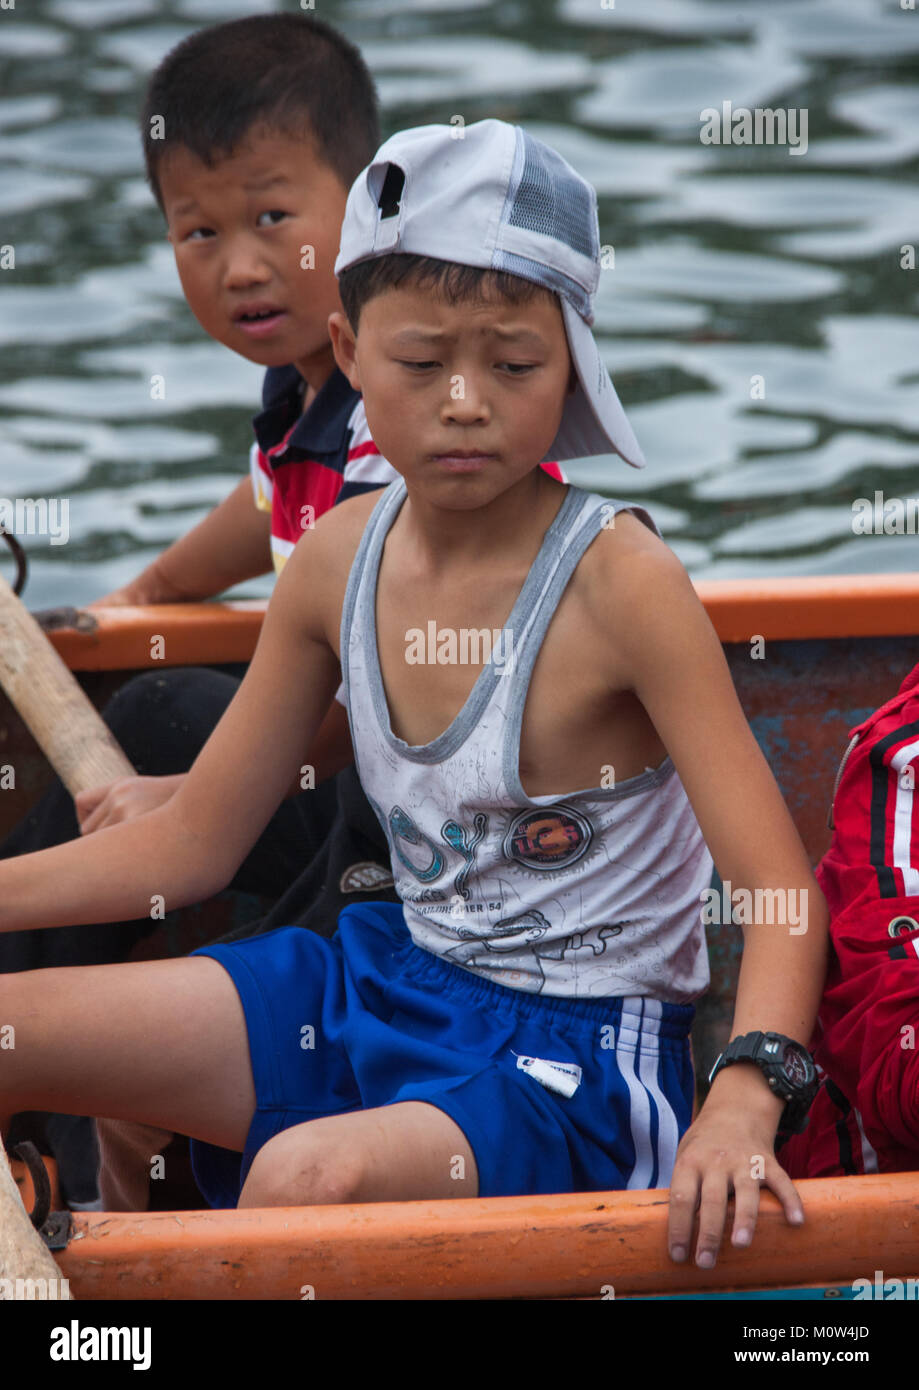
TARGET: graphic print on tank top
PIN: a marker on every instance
(588, 894)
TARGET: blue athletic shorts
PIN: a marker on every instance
(369, 1019)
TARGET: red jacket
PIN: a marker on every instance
(866, 1115)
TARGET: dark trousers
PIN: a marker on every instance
(303, 862)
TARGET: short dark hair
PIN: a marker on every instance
(455, 283)
(285, 72)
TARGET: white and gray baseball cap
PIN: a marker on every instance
(491, 195)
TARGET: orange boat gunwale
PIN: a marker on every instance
(579, 1245)
(816, 606)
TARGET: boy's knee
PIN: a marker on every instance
(297, 1169)
(182, 705)
(136, 698)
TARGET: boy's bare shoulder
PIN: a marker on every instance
(637, 591)
(330, 543)
(628, 552)
(634, 535)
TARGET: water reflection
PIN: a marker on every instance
(734, 265)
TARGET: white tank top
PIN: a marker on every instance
(586, 894)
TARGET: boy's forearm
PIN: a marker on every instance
(122, 873)
(782, 973)
(779, 990)
(231, 545)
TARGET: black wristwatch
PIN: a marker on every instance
(788, 1068)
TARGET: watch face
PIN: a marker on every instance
(795, 1067)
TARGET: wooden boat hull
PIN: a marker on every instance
(830, 651)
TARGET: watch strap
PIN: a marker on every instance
(762, 1049)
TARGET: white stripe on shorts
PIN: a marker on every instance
(668, 1132)
(639, 1100)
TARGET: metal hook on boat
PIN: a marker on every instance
(40, 1181)
(54, 1227)
(22, 563)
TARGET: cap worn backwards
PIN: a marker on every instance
(493, 196)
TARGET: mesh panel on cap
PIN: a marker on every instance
(546, 276)
(550, 200)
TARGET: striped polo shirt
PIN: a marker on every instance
(301, 465)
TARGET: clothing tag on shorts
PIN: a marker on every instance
(562, 1077)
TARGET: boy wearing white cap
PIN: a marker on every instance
(544, 723)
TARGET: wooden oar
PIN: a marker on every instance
(84, 754)
(58, 713)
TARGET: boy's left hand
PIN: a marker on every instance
(728, 1149)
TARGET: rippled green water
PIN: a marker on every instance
(732, 263)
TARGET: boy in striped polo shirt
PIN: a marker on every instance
(265, 122)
